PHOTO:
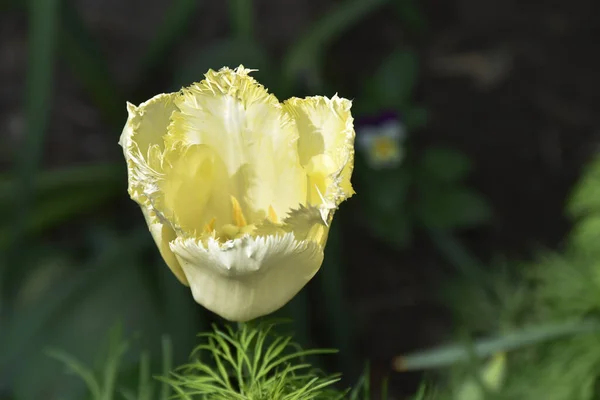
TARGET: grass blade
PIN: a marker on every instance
(167, 366)
(447, 355)
(77, 368)
(43, 23)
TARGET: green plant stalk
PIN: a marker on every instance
(241, 18)
(145, 384)
(116, 350)
(43, 27)
(167, 366)
(447, 355)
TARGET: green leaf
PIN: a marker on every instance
(486, 381)
(445, 164)
(415, 118)
(396, 79)
(385, 199)
(305, 57)
(446, 355)
(77, 368)
(410, 15)
(264, 365)
(452, 208)
(585, 235)
(386, 189)
(395, 229)
(585, 198)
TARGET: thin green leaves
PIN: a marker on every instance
(250, 363)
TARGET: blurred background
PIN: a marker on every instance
(474, 120)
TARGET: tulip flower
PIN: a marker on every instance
(238, 189)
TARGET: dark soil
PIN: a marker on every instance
(513, 84)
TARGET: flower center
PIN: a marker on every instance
(384, 148)
(239, 227)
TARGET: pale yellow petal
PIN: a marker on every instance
(163, 234)
(325, 146)
(193, 189)
(234, 115)
(144, 130)
(306, 223)
(248, 277)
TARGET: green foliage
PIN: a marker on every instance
(395, 80)
(103, 384)
(305, 58)
(250, 363)
(443, 201)
(429, 194)
(584, 207)
(561, 370)
(410, 15)
(36, 202)
(403, 200)
(428, 190)
(42, 42)
(558, 356)
(444, 165)
(585, 198)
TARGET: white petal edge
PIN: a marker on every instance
(248, 277)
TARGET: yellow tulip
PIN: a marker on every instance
(238, 189)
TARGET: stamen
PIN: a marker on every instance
(238, 215)
(208, 228)
(273, 215)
